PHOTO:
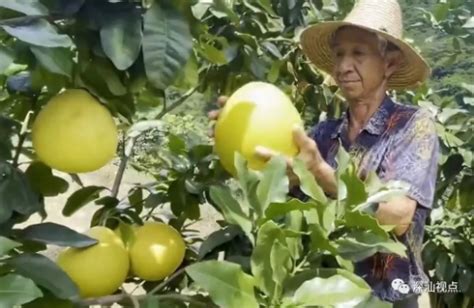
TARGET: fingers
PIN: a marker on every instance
(213, 114)
(221, 100)
(264, 153)
(267, 154)
(302, 140)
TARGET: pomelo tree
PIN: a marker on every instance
(143, 60)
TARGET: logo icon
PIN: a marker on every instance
(400, 286)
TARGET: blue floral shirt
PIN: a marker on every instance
(399, 143)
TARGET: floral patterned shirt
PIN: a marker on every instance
(399, 143)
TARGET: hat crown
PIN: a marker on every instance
(381, 15)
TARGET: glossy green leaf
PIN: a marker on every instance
(359, 245)
(274, 184)
(28, 7)
(230, 207)
(43, 181)
(39, 32)
(121, 37)
(356, 193)
(45, 273)
(6, 245)
(308, 183)
(279, 209)
(56, 60)
(271, 261)
(218, 238)
(6, 58)
(55, 234)
(17, 290)
(221, 279)
(336, 290)
(81, 198)
(167, 44)
(16, 194)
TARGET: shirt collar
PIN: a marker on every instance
(377, 123)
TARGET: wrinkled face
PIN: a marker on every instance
(360, 67)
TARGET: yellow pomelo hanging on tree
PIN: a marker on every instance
(75, 133)
(97, 270)
(258, 113)
(157, 251)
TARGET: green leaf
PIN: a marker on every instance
(224, 9)
(217, 239)
(189, 76)
(296, 281)
(121, 37)
(374, 302)
(81, 198)
(213, 54)
(469, 23)
(343, 160)
(6, 58)
(359, 245)
(249, 181)
(16, 194)
(28, 7)
(308, 183)
(226, 283)
(39, 32)
(274, 185)
(230, 208)
(49, 301)
(441, 11)
(52, 233)
(270, 244)
(356, 193)
(45, 273)
(17, 290)
(8, 127)
(336, 290)
(279, 209)
(6, 245)
(44, 182)
(445, 269)
(364, 221)
(56, 60)
(167, 44)
(320, 241)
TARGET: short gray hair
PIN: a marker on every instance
(385, 45)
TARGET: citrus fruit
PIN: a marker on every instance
(258, 113)
(156, 252)
(75, 133)
(97, 270)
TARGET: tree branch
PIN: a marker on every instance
(178, 102)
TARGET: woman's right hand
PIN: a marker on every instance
(213, 115)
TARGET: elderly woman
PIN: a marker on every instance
(366, 57)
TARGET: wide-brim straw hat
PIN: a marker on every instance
(383, 17)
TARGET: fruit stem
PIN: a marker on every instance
(122, 166)
(167, 281)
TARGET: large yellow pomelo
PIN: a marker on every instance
(258, 113)
(75, 133)
(98, 270)
(156, 251)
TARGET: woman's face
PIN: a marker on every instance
(360, 68)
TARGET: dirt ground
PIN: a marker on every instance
(105, 177)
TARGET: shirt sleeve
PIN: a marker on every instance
(412, 157)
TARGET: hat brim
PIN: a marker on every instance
(316, 44)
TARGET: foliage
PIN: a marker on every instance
(157, 66)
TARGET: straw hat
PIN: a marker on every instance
(383, 17)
